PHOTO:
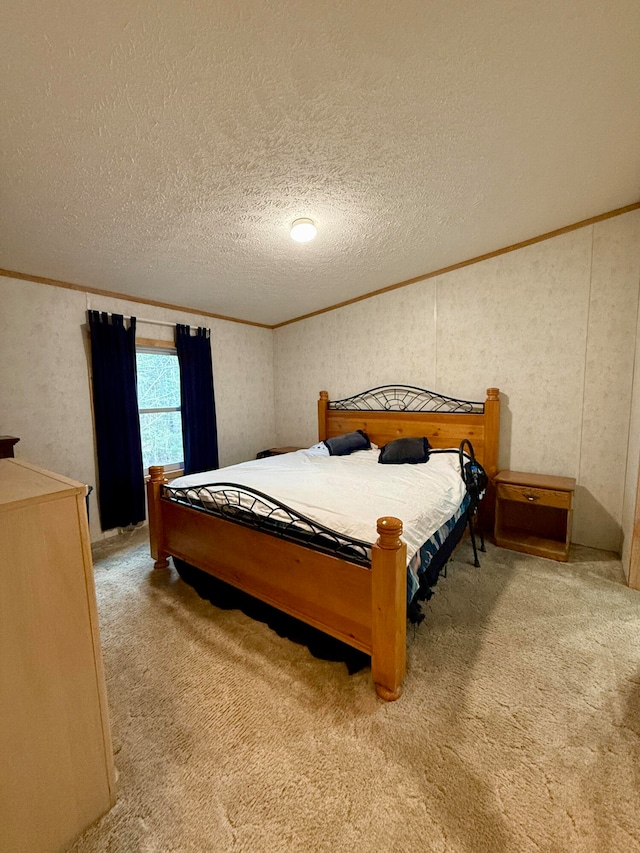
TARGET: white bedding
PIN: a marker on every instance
(349, 493)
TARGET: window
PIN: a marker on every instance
(159, 407)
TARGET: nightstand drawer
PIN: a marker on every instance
(531, 495)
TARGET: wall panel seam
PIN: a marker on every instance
(586, 352)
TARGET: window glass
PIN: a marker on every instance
(158, 380)
(161, 434)
(159, 408)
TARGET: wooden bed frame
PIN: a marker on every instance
(365, 608)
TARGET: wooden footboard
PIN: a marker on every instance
(365, 608)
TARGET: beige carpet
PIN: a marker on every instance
(519, 727)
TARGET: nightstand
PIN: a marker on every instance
(533, 513)
(277, 451)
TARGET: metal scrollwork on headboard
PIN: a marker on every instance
(406, 398)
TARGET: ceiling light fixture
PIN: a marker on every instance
(303, 230)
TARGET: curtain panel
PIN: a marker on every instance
(115, 407)
(199, 428)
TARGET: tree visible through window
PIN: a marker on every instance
(159, 407)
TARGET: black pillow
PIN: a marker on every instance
(343, 445)
(405, 450)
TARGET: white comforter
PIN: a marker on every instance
(349, 493)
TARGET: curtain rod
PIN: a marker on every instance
(163, 323)
(154, 322)
(140, 319)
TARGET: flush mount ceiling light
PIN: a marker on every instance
(303, 230)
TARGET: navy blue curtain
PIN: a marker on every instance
(115, 408)
(199, 430)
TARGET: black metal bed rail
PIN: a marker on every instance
(263, 513)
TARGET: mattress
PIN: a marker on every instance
(346, 494)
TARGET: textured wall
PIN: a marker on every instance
(632, 468)
(609, 377)
(633, 455)
(44, 386)
(44, 378)
(553, 325)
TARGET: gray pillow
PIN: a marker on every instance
(343, 445)
(405, 450)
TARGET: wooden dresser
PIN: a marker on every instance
(56, 761)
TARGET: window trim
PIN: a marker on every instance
(160, 409)
(154, 344)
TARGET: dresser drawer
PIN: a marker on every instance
(531, 495)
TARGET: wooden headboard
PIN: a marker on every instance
(392, 411)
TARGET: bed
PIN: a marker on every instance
(354, 588)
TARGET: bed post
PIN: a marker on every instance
(389, 609)
(323, 405)
(487, 508)
(492, 431)
(154, 489)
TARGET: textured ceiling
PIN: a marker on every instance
(162, 149)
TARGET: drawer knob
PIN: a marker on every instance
(531, 496)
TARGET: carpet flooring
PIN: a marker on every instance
(518, 729)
